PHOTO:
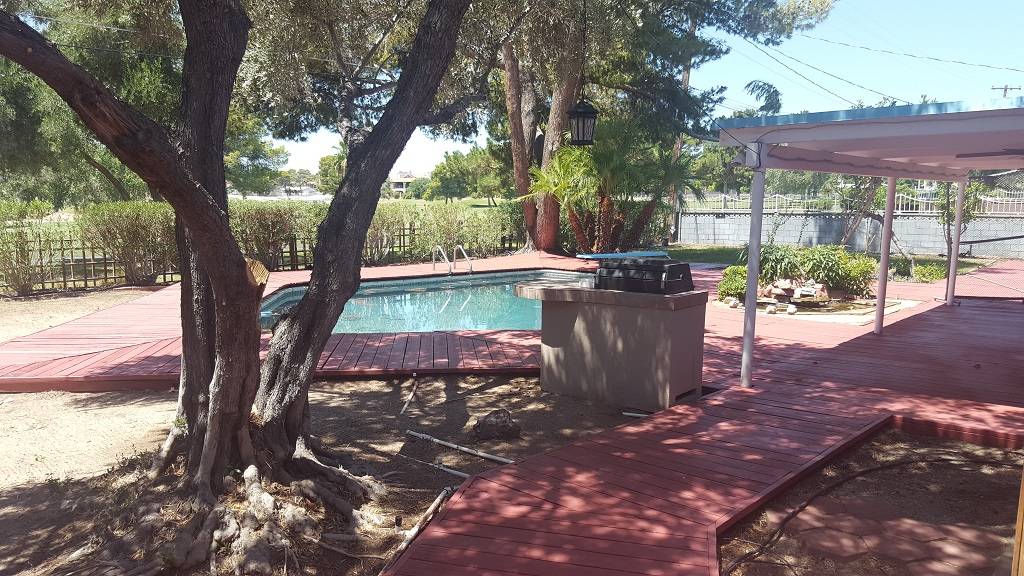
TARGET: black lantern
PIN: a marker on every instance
(582, 120)
(583, 116)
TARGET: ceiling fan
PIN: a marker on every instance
(1003, 152)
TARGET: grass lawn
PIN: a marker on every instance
(727, 255)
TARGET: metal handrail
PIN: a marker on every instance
(455, 257)
(433, 258)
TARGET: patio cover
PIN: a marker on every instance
(925, 141)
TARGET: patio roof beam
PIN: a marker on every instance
(793, 158)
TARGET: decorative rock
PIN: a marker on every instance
(791, 309)
(496, 424)
(734, 304)
(771, 309)
(729, 300)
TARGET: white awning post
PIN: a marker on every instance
(954, 256)
(753, 159)
(883, 265)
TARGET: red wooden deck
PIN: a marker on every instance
(650, 497)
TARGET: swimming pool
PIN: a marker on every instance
(472, 302)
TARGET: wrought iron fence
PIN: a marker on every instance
(905, 204)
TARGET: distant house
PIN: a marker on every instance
(400, 183)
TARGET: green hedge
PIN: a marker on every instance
(138, 234)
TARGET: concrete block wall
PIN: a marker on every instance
(916, 234)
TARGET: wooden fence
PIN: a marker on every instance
(67, 263)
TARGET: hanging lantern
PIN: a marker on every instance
(583, 116)
(582, 121)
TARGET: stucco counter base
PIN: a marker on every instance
(628, 349)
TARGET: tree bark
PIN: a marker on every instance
(520, 139)
(281, 410)
(566, 86)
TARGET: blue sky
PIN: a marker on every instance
(982, 31)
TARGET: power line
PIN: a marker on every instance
(791, 69)
(91, 25)
(918, 56)
(848, 81)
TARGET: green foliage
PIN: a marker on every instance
(138, 234)
(391, 220)
(19, 256)
(733, 283)
(331, 171)
(262, 227)
(417, 189)
(836, 268)
(830, 265)
(17, 211)
(251, 163)
(900, 267)
(930, 272)
(778, 261)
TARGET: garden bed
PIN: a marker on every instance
(929, 518)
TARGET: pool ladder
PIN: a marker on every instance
(455, 258)
(433, 258)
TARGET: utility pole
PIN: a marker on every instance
(1006, 88)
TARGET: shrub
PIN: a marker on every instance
(262, 227)
(17, 211)
(836, 268)
(312, 214)
(19, 258)
(441, 224)
(138, 234)
(860, 271)
(777, 262)
(900, 266)
(930, 272)
(733, 283)
(391, 220)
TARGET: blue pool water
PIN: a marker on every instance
(473, 302)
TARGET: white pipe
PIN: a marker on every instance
(883, 265)
(415, 531)
(753, 267)
(954, 256)
(484, 455)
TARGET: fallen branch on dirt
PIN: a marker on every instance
(440, 467)
(446, 444)
(415, 531)
(344, 552)
(415, 385)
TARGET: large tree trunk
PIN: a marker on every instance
(521, 140)
(281, 410)
(636, 230)
(566, 84)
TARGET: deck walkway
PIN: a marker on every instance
(650, 497)
(137, 345)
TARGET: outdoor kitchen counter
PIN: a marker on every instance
(630, 349)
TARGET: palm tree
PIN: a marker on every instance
(598, 185)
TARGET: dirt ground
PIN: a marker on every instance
(25, 315)
(54, 444)
(977, 498)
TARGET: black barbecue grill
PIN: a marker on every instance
(651, 275)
